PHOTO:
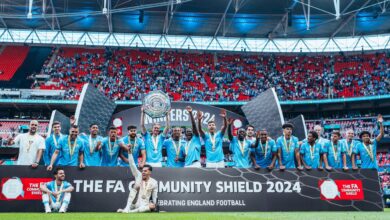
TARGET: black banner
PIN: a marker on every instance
(105, 189)
(264, 111)
(179, 116)
(63, 119)
(94, 107)
(299, 130)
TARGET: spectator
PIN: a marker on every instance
(128, 74)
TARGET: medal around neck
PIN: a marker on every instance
(156, 104)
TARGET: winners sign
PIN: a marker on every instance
(179, 116)
(105, 189)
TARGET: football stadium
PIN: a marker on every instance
(194, 109)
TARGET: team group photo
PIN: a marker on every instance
(195, 109)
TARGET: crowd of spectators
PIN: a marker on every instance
(384, 177)
(125, 74)
(343, 124)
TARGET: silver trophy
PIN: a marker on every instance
(156, 104)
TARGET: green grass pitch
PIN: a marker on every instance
(201, 216)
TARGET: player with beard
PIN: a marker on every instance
(192, 146)
(175, 149)
(93, 146)
(56, 194)
(213, 141)
(288, 148)
(143, 194)
(264, 155)
(111, 148)
(335, 152)
(250, 134)
(137, 145)
(350, 144)
(367, 149)
(71, 148)
(31, 146)
(310, 153)
(154, 141)
(240, 147)
(51, 143)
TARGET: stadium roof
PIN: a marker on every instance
(229, 18)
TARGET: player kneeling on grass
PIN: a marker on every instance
(143, 194)
(56, 193)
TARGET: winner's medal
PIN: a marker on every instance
(312, 149)
(335, 151)
(177, 147)
(264, 149)
(349, 149)
(242, 147)
(369, 151)
(144, 186)
(188, 146)
(92, 144)
(155, 143)
(72, 147)
(111, 149)
(56, 190)
(287, 145)
(212, 140)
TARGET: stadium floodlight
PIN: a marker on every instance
(307, 14)
(29, 14)
(337, 8)
(105, 7)
(43, 6)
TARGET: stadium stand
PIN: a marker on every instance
(357, 124)
(10, 127)
(11, 58)
(124, 74)
(383, 160)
